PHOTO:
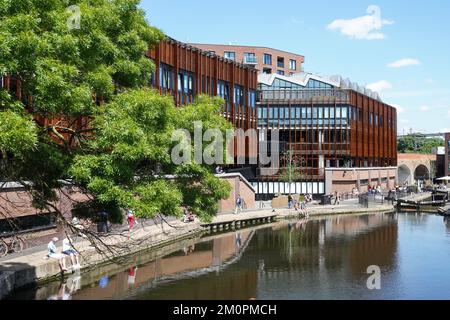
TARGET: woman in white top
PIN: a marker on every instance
(70, 251)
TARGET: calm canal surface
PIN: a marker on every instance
(317, 259)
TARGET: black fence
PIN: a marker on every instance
(367, 200)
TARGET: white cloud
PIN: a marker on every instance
(362, 27)
(404, 63)
(399, 108)
(424, 108)
(379, 86)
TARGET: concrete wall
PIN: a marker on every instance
(344, 180)
(239, 185)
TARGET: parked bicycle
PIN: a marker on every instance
(11, 244)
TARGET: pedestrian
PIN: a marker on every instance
(53, 253)
(70, 251)
(79, 227)
(336, 198)
(238, 208)
(102, 226)
(130, 219)
(290, 202)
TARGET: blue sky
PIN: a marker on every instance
(400, 48)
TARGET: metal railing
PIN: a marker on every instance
(368, 199)
(332, 95)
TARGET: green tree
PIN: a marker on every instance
(294, 169)
(418, 143)
(97, 72)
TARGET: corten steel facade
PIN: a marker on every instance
(265, 60)
(447, 154)
(184, 72)
(325, 125)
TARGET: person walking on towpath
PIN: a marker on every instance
(130, 219)
(238, 208)
(337, 198)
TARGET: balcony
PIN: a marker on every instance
(250, 60)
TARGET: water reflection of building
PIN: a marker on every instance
(190, 262)
(329, 253)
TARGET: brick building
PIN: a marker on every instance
(265, 60)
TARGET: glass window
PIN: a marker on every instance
(267, 59)
(332, 112)
(223, 90)
(344, 112)
(281, 113)
(303, 113)
(270, 113)
(338, 112)
(275, 113)
(249, 57)
(238, 95)
(280, 62)
(308, 113)
(252, 98)
(166, 77)
(320, 113)
(280, 72)
(230, 55)
(292, 64)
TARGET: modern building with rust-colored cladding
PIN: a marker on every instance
(184, 72)
(333, 135)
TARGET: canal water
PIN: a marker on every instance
(327, 258)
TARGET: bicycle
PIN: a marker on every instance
(14, 245)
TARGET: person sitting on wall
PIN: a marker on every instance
(70, 251)
(219, 170)
(290, 201)
(53, 253)
(78, 226)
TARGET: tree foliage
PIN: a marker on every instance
(98, 72)
(418, 144)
